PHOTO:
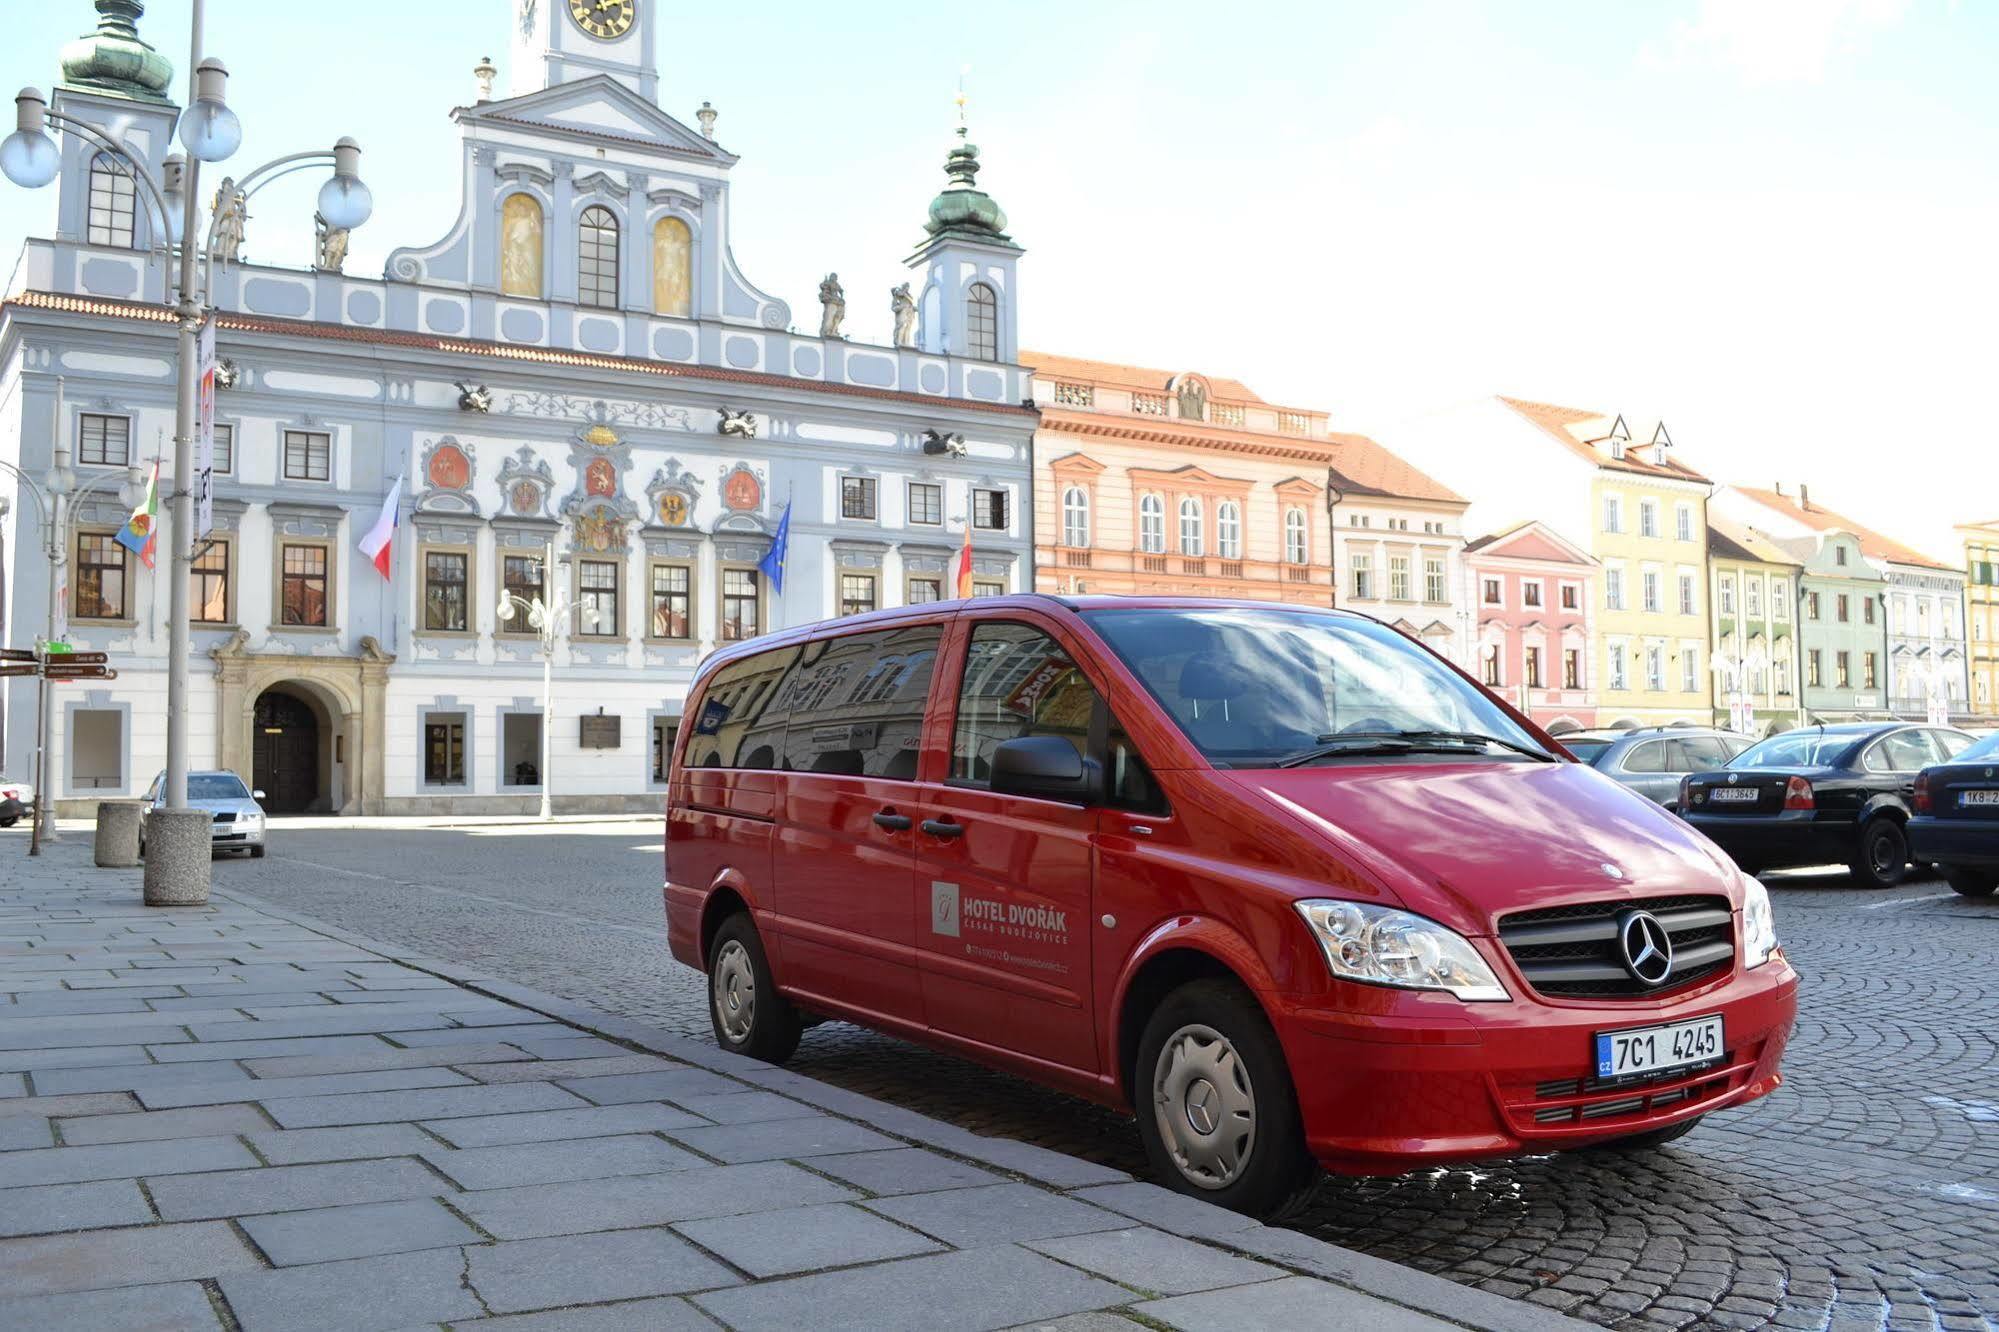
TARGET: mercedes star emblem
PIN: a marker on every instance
(1647, 948)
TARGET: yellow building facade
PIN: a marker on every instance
(1652, 621)
(1981, 596)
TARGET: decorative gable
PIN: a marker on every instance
(598, 107)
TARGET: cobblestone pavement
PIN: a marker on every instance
(222, 1117)
(1865, 1194)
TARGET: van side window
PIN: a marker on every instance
(856, 703)
(741, 720)
(1130, 781)
(1018, 681)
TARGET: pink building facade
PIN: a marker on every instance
(1534, 595)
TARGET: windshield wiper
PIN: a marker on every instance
(1404, 742)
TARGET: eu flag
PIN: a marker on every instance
(772, 564)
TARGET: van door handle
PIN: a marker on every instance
(891, 821)
(938, 828)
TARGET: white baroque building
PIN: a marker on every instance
(577, 366)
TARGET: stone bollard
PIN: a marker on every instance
(117, 834)
(179, 847)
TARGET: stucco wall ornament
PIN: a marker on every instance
(229, 220)
(525, 483)
(329, 250)
(739, 424)
(902, 308)
(226, 374)
(672, 496)
(474, 397)
(832, 306)
(599, 512)
(446, 471)
(944, 442)
(557, 406)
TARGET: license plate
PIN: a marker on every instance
(1732, 795)
(1979, 798)
(1643, 1050)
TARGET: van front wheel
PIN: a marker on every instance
(749, 1016)
(1215, 1104)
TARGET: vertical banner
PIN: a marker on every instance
(204, 433)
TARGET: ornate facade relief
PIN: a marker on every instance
(645, 415)
(526, 482)
(672, 496)
(447, 470)
(600, 514)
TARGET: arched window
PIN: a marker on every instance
(1228, 530)
(597, 258)
(982, 323)
(520, 247)
(1075, 517)
(1297, 541)
(112, 203)
(1152, 525)
(1190, 526)
(672, 268)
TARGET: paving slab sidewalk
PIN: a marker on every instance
(232, 1116)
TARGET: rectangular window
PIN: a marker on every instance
(1648, 518)
(1843, 670)
(1780, 600)
(1728, 596)
(104, 441)
(1867, 670)
(857, 593)
(597, 598)
(924, 589)
(303, 593)
(857, 498)
(1533, 668)
(444, 750)
(664, 732)
(224, 457)
(1361, 570)
(1433, 580)
(989, 510)
(101, 582)
(1650, 584)
(1867, 609)
(1613, 589)
(1814, 668)
(1491, 592)
(208, 588)
(1571, 597)
(1655, 668)
(445, 595)
(520, 578)
(1617, 677)
(1686, 594)
(1841, 610)
(1752, 596)
(1398, 577)
(1017, 682)
(1572, 669)
(672, 601)
(1839, 555)
(741, 606)
(1613, 514)
(1684, 518)
(926, 503)
(1812, 606)
(308, 455)
(1530, 595)
(1489, 663)
(983, 587)
(1690, 671)
(96, 749)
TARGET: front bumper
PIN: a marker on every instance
(1774, 841)
(1968, 842)
(235, 834)
(1447, 1081)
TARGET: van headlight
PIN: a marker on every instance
(1379, 945)
(1759, 923)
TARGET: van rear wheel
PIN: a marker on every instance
(1216, 1108)
(749, 1016)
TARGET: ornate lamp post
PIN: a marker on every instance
(210, 132)
(546, 618)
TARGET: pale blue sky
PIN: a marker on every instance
(1770, 221)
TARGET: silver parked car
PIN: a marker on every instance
(238, 818)
(1652, 759)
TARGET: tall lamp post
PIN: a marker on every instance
(210, 132)
(545, 617)
(56, 498)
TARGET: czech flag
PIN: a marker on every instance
(380, 543)
(965, 566)
(140, 534)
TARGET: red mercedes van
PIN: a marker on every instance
(1277, 879)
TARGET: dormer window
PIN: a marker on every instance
(1619, 439)
(597, 258)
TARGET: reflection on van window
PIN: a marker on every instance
(739, 725)
(855, 705)
(1251, 687)
(1018, 681)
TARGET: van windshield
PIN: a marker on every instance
(1254, 687)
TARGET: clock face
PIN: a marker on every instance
(605, 20)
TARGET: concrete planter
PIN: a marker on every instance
(117, 834)
(178, 851)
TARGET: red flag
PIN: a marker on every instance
(965, 565)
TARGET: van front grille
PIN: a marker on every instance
(1572, 952)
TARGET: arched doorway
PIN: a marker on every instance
(285, 752)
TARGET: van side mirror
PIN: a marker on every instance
(1046, 767)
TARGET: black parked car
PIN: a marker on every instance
(1956, 823)
(1821, 795)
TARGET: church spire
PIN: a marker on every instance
(114, 60)
(963, 209)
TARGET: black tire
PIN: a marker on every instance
(8, 823)
(1277, 1176)
(1882, 859)
(750, 1019)
(256, 853)
(1971, 882)
(1645, 1142)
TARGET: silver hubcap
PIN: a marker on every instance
(735, 991)
(1204, 1105)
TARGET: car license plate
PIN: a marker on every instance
(1728, 795)
(1643, 1050)
(1979, 798)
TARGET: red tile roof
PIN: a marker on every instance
(1821, 519)
(1364, 467)
(1077, 370)
(1557, 421)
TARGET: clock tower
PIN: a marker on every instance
(561, 41)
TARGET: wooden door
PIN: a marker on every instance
(286, 754)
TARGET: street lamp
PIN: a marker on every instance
(545, 618)
(210, 132)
